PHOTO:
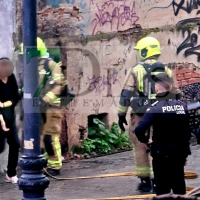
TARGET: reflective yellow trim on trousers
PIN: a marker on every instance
(58, 163)
(144, 171)
(122, 109)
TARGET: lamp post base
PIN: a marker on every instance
(33, 182)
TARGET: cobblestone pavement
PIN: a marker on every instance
(101, 187)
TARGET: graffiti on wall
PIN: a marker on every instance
(186, 5)
(114, 14)
(100, 83)
(146, 6)
(190, 44)
(120, 62)
(160, 7)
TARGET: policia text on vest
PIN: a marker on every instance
(179, 109)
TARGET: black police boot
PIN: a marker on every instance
(153, 186)
(52, 172)
(145, 185)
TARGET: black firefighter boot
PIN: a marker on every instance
(145, 185)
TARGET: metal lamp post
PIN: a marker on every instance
(32, 181)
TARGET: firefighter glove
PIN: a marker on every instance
(122, 121)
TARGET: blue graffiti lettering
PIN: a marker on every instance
(165, 7)
(56, 3)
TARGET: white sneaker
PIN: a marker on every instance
(13, 179)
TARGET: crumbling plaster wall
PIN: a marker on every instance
(97, 39)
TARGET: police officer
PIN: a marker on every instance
(137, 86)
(171, 136)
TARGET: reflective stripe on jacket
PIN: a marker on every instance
(55, 85)
(135, 79)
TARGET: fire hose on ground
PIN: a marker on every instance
(188, 175)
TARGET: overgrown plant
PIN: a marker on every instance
(101, 140)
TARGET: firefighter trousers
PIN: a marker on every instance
(143, 160)
(50, 138)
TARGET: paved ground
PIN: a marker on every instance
(97, 188)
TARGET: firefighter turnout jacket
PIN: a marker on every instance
(56, 83)
(170, 122)
(135, 82)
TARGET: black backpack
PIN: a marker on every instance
(142, 100)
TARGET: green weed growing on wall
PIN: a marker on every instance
(101, 140)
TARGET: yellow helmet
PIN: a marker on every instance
(41, 47)
(148, 47)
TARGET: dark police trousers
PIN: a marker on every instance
(168, 172)
(14, 145)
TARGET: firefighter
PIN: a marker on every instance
(171, 135)
(139, 86)
(50, 106)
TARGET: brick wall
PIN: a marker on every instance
(185, 73)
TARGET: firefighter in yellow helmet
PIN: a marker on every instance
(139, 93)
(50, 105)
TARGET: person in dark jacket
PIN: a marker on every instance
(9, 97)
(171, 135)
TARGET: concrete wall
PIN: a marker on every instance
(7, 29)
(97, 39)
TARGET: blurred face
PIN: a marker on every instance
(159, 87)
(6, 68)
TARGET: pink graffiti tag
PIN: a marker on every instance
(98, 84)
(91, 2)
(109, 13)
